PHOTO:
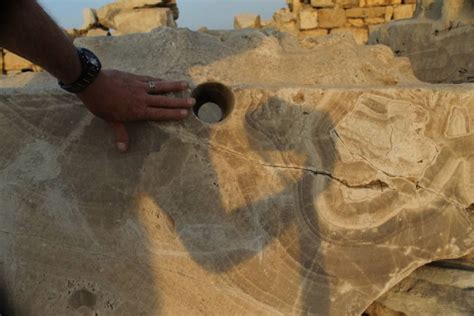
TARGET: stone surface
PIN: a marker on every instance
(13, 62)
(360, 35)
(404, 11)
(331, 18)
(248, 20)
(433, 290)
(125, 9)
(97, 32)
(323, 3)
(89, 18)
(335, 176)
(308, 19)
(143, 20)
(439, 45)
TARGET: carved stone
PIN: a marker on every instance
(331, 178)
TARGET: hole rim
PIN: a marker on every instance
(217, 93)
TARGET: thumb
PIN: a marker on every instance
(121, 136)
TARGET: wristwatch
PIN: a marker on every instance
(91, 67)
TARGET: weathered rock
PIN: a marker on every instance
(127, 8)
(286, 21)
(360, 35)
(97, 32)
(15, 63)
(331, 18)
(404, 11)
(90, 19)
(308, 19)
(325, 186)
(439, 45)
(143, 20)
(323, 3)
(248, 20)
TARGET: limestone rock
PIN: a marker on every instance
(438, 53)
(128, 8)
(97, 32)
(366, 12)
(323, 3)
(308, 19)
(13, 62)
(90, 18)
(361, 35)
(331, 18)
(143, 20)
(326, 184)
(286, 21)
(404, 11)
(247, 20)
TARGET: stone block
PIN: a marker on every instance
(440, 49)
(143, 20)
(323, 3)
(356, 22)
(308, 19)
(331, 18)
(316, 32)
(15, 63)
(373, 12)
(375, 3)
(371, 21)
(388, 13)
(347, 3)
(404, 11)
(247, 20)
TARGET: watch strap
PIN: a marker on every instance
(89, 71)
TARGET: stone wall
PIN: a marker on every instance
(321, 17)
(117, 18)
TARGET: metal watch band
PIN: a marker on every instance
(90, 66)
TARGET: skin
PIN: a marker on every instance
(115, 96)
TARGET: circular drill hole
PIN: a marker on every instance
(214, 102)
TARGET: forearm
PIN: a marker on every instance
(28, 31)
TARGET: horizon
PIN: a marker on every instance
(193, 13)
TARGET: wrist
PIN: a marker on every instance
(73, 71)
(90, 67)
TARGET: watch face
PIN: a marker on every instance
(92, 60)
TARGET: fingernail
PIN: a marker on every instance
(184, 112)
(122, 147)
(191, 102)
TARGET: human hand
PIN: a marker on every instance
(119, 97)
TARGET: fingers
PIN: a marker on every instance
(160, 87)
(162, 114)
(121, 136)
(159, 101)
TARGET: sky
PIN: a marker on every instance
(214, 14)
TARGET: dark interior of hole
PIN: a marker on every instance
(216, 93)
